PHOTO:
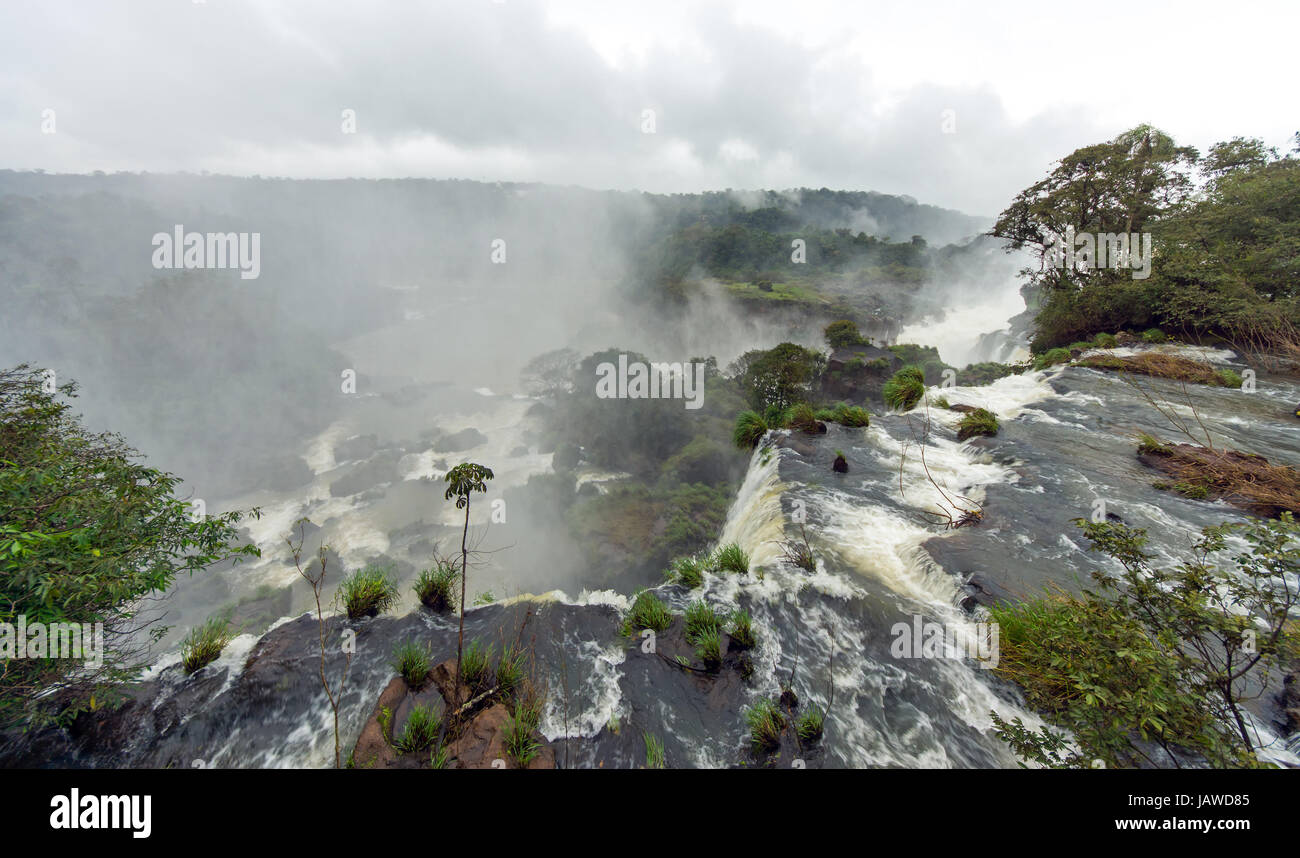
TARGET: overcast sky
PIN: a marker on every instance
(847, 95)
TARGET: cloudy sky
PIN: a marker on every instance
(958, 104)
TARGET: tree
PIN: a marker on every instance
(86, 533)
(778, 377)
(1152, 666)
(462, 481)
(843, 333)
(551, 373)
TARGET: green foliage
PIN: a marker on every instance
(411, 661)
(981, 421)
(741, 629)
(474, 670)
(439, 758)
(368, 592)
(647, 612)
(702, 621)
(1154, 335)
(1152, 445)
(1052, 357)
(463, 480)
(1228, 378)
(780, 376)
(708, 649)
(1105, 341)
(810, 725)
(905, 388)
(520, 743)
(688, 571)
(732, 558)
(510, 670)
(1153, 661)
(420, 732)
(205, 642)
(436, 586)
(86, 533)
(654, 752)
(750, 428)
(766, 723)
(844, 333)
(801, 417)
(853, 416)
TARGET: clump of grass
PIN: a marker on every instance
(510, 670)
(648, 612)
(412, 661)
(765, 725)
(438, 759)
(614, 724)
(732, 558)
(1106, 341)
(688, 571)
(741, 629)
(1196, 491)
(474, 665)
(905, 388)
(520, 744)
(1228, 378)
(803, 418)
(750, 429)
(1245, 480)
(810, 725)
(708, 649)
(487, 597)
(1154, 335)
(942, 402)
(845, 415)
(420, 732)
(654, 752)
(1052, 357)
(205, 642)
(1153, 446)
(436, 586)
(367, 592)
(1160, 365)
(981, 421)
(701, 621)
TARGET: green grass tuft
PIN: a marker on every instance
(412, 661)
(765, 725)
(654, 752)
(701, 621)
(732, 558)
(647, 612)
(436, 586)
(205, 642)
(510, 670)
(474, 665)
(420, 732)
(750, 428)
(905, 388)
(688, 571)
(981, 421)
(741, 629)
(810, 725)
(368, 592)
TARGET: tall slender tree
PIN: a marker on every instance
(462, 481)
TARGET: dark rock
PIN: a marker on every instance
(841, 465)
(456, 442)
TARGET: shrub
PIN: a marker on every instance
(474, 665)
(647, 612)
(412, 661)
(905, 388)
(981, 421)
(750, 428)
(844, 332)
(732, 558)
(436, 586)
(368, 592)
(420, 732)
(765, 725)
(1154, 335)
(204, 643)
